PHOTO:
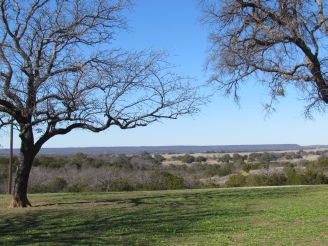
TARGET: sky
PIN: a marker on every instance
(174, 26)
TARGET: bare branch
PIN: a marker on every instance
(279, 42)
(52, 86)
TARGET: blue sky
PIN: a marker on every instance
(174, 26)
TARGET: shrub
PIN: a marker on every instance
(188, 158)
(293, 177)
(236, 180)
(161, 180)
(79, 159)
(78, 187)
(253, 166)
(237, 158)
(159, 159)
(322, 163)
(121, 185)
(213, 170)
(226, 158)
(50, 162)
(252, 157)
(97, 163)
(122, 161)
(226, 169)
(315, 175)
(56, 185)
(267, 179)
(246, 167)
(216, 169)
(201, 159)
(173, 182)
(267, 157)
(3, 173)
(276, 179)
(256, 180)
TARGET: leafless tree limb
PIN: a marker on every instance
(58, 73)
(280, 42)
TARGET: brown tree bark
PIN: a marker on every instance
(27, 155)
(10, 174)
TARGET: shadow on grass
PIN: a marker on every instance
(134, 201)
(143, 220)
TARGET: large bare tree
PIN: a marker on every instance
(58, 73)
(279, 42)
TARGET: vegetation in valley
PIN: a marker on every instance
(85, 173)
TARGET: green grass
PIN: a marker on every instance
(245, 216)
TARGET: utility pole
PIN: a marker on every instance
(10, 175)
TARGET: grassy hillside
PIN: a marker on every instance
(243, 216)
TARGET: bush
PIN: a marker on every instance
(159, 159)
(188, 158)
(267, 157)
(256, 180)
(236, 180)
(78, 187)
(161, 180)
(246, 167)
(293, 177)
(253, 166)
(220, 170)
(122, 161)
(3, 173)
(315, 175)
(264, 180)
(212, 170)
(50, 162)
(121, 185)
(56, 185)
(322, 163)
(226, 158)
(226, 169)
(238, 158)
(173, 182)
(276, 179)
(201, 159)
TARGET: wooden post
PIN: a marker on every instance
(10, 175)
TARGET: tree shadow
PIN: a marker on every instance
(138, 220)
(133, 201)
(144, 221)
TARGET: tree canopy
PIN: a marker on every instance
(59, 72)
(279, 42)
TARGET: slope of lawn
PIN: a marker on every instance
(247, 216)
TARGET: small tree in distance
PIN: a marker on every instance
(279, 42)
(58, 74)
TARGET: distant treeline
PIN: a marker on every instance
(169, 149)
(81, 172)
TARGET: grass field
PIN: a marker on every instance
(245, 216)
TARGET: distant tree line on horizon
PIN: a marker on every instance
(81, 172)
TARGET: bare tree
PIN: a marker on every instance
(58, 74)
(279, 42)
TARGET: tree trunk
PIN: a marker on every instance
(10, 174)
(27, 155)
